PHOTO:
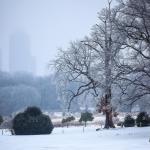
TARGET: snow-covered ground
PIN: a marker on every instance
(73, 138)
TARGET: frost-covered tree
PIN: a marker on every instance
(133, 22)
(90, 63)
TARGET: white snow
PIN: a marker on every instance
(73, 138)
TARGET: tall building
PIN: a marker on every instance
(1, 61)
(20, 58)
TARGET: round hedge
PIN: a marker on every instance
(32, 122)
(86, 116)
(142, 120)
(33, 111)
(68, 119)
(129, 121)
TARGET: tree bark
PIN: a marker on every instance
(108, 110)
(108, 121)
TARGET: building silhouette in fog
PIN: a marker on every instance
(1, 60)
(20, 58)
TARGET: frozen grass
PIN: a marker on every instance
(73, 138)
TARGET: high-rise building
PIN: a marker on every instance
(1, 61)
(20, 58)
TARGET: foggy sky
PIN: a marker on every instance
(50, 24)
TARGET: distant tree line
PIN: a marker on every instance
(17, 91)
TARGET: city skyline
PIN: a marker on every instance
(20, 58)
(50, 24)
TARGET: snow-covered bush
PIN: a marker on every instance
(142, 119)
(67, 120)
(129, 121)
(32, 122)
(120, 124)
(86, 116)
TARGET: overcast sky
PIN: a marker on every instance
(50, 24)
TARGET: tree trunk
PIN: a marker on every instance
(108, 70)
(108, 110)
(108, 121)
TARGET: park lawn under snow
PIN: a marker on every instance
(73, 138)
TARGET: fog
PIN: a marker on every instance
(48, 24)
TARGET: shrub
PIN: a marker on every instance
(33, 111)
(32, 122)
(86, 116)
(142, 120)
(67, 120)
(129, 121)
(120, 123)
(1, 120)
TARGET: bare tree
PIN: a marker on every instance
(107, 42)
(91, 63)
(134, 22)
(75, 65)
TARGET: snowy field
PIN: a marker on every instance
(73, 138)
